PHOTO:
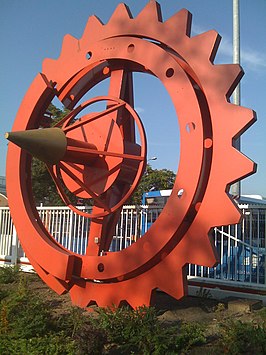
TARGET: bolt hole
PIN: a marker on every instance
(197, 206)
(180, 193)
(106, 70)
(207, 143)
(101, 267)
(190, 127)
(89, 55)
(169, 72)
(130, 48)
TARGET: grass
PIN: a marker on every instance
(29, 325)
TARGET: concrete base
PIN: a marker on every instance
(243, 305)
(220, 294)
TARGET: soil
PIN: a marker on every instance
(189, 308)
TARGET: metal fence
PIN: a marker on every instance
(241, 247)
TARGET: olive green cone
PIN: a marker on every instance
(47, 144)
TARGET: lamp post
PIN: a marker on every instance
(236, 187)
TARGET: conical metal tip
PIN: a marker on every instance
(47, 144)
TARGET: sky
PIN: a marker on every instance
(32, 30)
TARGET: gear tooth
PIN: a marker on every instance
(205, 44)
(142, 294)
(47, 65)
(203, 252)
(119, 20)
(174, 286)
(241, 168)
(229, 77)
(179, 24)
(226, 213)
(106, 296)
(84, 294)
(150, 13)
(226, 210)
(78, 296)
(70, 40)
(244, 118)
(93, 28)
(233, 213)
(121, 13)
(139, 299)
(53, 68)
(172, 267)
(103, 303)
(70, 45)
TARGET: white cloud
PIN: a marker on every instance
(249, 58)
(256, 60)
(196, 30)
(139, 110)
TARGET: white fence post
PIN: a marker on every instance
(14, 247)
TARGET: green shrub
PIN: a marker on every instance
(72, 321)
(243, 338)
(90, 340)
(51, 344)
(3, 294)
(191, 334)
(27, 327)
(139, 332)
(78, 326)
(9, 274)
(24, 314)
(128, 330)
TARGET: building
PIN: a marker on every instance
(3, 185)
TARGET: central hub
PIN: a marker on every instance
(102, 159)
(104, 135)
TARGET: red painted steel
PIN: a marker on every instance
(104, 161)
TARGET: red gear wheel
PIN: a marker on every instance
(209, 163)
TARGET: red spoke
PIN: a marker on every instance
(108, 173)
(121, 85)
(75, 166)
(93, 117)
(78, 169)
(78, 191)
(104, 153)
(83, 186)
(58, 185)
(96, 180)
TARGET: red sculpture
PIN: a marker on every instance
(99, 157)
